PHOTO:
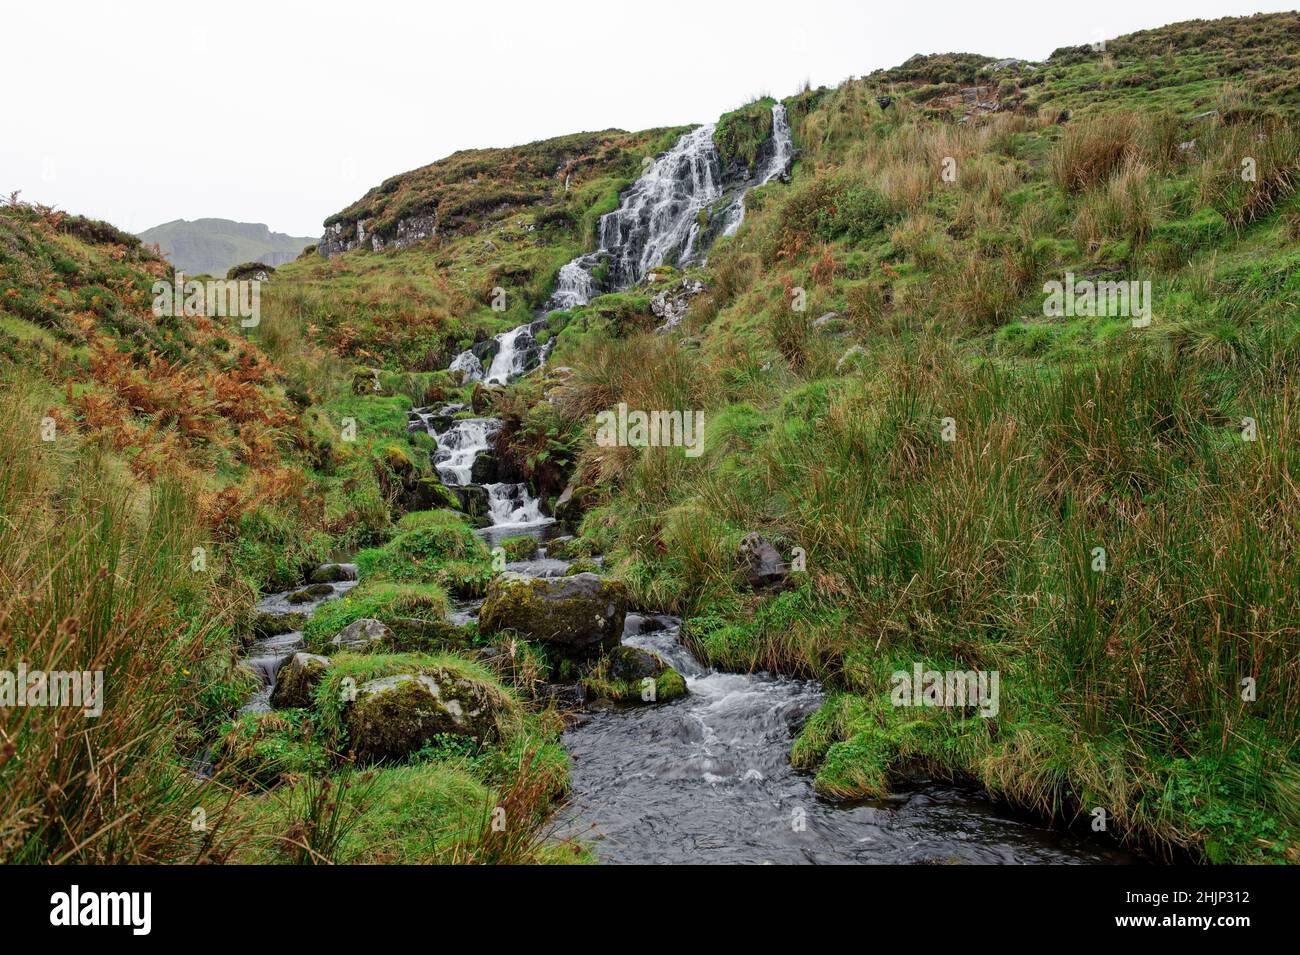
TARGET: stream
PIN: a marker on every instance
(706, 778)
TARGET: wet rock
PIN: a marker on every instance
(310, 593)
(297, 679)
(571, 503)
(274, 624)
(471, 500)
(360, 634)
(673, 303)
(576, 617)
(633, 663)
(333, 573)
(583, 565)
(634, 675)
(394, 716)
(761, 564)
(425, 493)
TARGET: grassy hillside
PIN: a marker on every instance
(882, 389)
(1121, 688)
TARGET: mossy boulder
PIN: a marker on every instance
(311, 593)
(411, 635)
(396, 715)
(633, 675)
(332, 573)
(275, 624)
(296, 680)
(577, 618)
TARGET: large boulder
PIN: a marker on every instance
(577, 617)
(296, 680)
(761, 564)
(396, 715)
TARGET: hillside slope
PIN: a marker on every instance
(1100, 507)
(892, 297)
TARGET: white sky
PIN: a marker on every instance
(284, 112)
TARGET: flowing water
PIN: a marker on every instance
(708, 778)
(265, 654)
(659, 218)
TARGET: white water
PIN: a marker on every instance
(658, 219)
(460, 445)
(777, 165)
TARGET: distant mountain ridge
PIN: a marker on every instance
(215, 245)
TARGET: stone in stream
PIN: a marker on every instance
(578, 617)
(395, 715)
(311, 593)
(634, 675)
(267, 624)
(571, 503)
(761, 564)
(297, 679)
(332, 573)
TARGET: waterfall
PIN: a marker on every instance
(667, 214)
(459, 447)
(509, 504)
(778, 164)
(516, 352)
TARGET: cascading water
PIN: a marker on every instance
(778, 164)
(459, 447)
(666, 215)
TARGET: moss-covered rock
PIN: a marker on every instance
(633, 675)
(360, 634)
(275, 624)
(332, 573)
(396, 715)
(311, 593)
(411, 635)
(520, 548)
(576, 617)
(296, 680)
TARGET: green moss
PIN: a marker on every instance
(260, 749)
(376, 599)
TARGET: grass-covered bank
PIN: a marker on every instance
(159, 473)
(1104, 514)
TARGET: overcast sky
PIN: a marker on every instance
(278, 112)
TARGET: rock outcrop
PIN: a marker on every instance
(297, 680)
(761, 564)
(394, 716)
(576, 618)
